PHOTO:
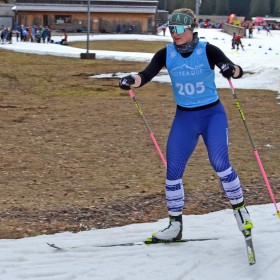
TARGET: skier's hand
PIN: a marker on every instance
(126, 82)
(227, 70)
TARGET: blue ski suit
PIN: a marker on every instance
(199, 112)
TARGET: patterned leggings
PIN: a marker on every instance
(187, 126)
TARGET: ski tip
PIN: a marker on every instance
(252, 259)
(153, 240)
(54, 246)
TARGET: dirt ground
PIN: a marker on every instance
(72, 162)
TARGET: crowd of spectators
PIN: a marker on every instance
(23, 33)
(37, 34)
(210, 24)
(6, 34)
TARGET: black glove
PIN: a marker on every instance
(227, 70)
(126, 82)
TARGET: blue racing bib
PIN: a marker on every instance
(193, 81)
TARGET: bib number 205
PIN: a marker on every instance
(190, 89)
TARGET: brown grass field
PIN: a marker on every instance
(76, 155)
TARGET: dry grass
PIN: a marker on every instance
(75, 154)
(126, 46)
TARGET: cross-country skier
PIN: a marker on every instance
(190, 64)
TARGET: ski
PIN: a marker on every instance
(148, 241)
(249, 247)
(152, 241)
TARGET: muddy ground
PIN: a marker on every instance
(76, 155)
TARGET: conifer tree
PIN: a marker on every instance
(259, 8)
(222, 7)
(276, 9)
(207, 7)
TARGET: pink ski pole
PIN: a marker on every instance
(254, 148)
(148, 127)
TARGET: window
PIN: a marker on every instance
(62, 19)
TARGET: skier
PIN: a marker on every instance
(267, 28)
(190, 64)
(238, 42)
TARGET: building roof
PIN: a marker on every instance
(5, 10)
(96, 6)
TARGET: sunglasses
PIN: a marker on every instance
(179, 29)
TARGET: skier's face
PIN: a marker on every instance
(183, 38)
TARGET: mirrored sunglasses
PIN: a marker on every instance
(179, 29)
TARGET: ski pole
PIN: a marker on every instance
(148, 127)
(254, 147)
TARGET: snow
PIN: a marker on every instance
(222, 258)
(219, 259)
(261, 57)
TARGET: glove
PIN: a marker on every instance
(227, 70)
(126, 82)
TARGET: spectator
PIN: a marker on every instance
(17, 34)
(38, 36)
(9, 35)
(45, 34)
(64, 39)
(29, 37)
(50, 35)
(163, 30)
(4, 35)
(22, 32)
(33, 33)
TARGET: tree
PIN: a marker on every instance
(172, 5)
(243, 8)
(222, 7)
(276, 9)
(272, 4)
(259, 8)
(161, 4)
(207, 7)
(247, 8)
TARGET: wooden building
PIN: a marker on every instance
(6, 15)
(114, 16)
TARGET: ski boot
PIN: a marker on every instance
(243, 220)
(245, 225)
(172, 233)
